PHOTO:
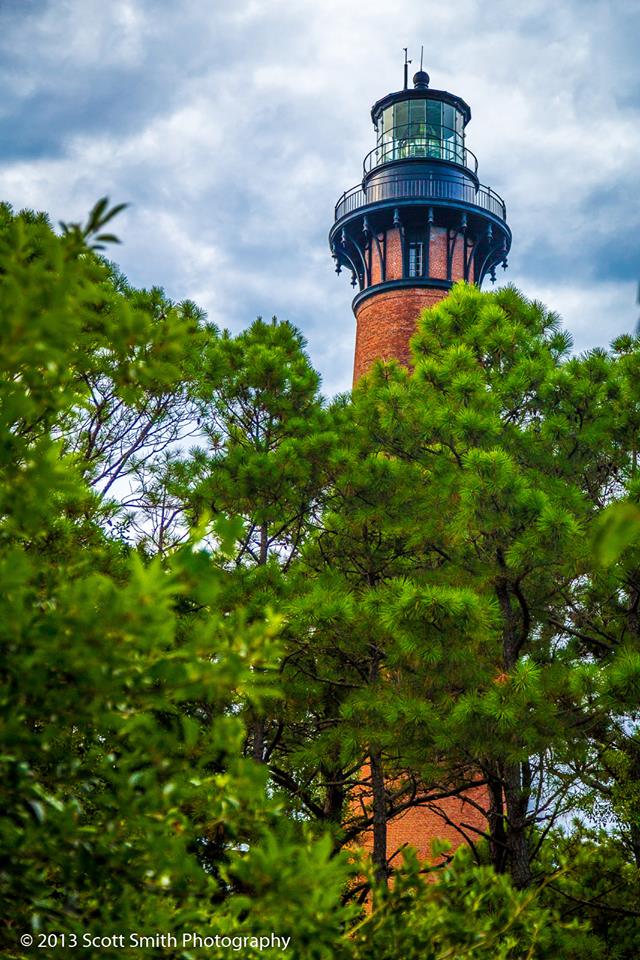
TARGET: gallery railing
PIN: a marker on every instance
(421, 188)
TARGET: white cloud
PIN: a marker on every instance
(233, 132)
(593, 313)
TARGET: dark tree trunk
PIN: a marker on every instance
(379, 805)
(634, 769)
(634, 773)
(517, 793)
(378, 792)
(635, 843)
(496, 820)
(334, 800)
(258, 728)
(633, 611)
(335, 797)
(516, 777)
(264, 544)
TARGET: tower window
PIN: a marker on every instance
(416, 259)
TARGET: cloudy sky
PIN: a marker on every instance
(232, 127)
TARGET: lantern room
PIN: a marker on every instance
(423, 123)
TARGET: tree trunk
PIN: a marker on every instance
(517, 793)
(334, 800)
(516, 776)
(496, 820)
(379, 854)
(378, 793)
(634, 774)
(258, 727)
(264, 544)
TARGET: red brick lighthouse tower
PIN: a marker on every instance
(419, 220)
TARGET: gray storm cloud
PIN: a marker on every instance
(232, 132)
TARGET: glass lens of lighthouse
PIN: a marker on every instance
(420, 128)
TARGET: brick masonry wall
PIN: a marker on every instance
(385, 322)
(418, 827)
(438, 253)
(421, 825)
(394, 255)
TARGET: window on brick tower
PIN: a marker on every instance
(416, 259)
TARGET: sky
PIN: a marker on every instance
(232, 128)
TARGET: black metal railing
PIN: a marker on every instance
(420, 141)
(421, 188)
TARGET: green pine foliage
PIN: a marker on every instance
(227, 606)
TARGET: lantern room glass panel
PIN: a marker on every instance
(420, 127)
(386, 137)
(417, 118)
(434, 129)
(401, 129)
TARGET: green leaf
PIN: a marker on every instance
(617, 528)
(228, 530)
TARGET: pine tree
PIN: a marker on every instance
(502, 449)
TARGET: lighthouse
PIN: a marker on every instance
(419, 220)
